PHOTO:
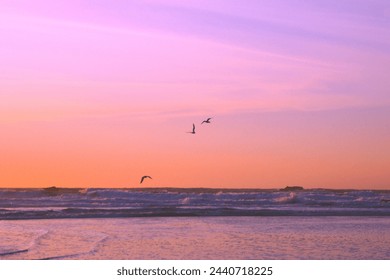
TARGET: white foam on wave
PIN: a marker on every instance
(290, 198)
(20, 241)
(185, 200)
(93, 248)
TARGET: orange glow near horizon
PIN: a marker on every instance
(229, 152)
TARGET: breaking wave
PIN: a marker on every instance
(54, 202)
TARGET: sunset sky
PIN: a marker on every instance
(98, 93)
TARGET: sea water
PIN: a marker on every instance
(51, 203)
(193, 224)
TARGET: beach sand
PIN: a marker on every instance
(197, 238)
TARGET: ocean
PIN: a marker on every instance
(51, 203)
(170, 223)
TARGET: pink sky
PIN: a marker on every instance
(100, 93)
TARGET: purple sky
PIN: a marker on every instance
(305, 81)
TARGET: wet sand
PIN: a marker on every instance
(197, 238)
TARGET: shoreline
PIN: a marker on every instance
(208, 238)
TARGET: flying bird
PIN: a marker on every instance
(144, 177)
(193, 129)
(207, 121)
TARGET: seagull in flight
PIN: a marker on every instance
(193, 129)
(144, 177)
(207, 121)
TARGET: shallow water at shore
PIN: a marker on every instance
(197, 238)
